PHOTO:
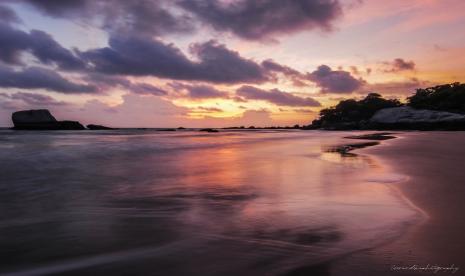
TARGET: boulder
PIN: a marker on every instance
(409, 118)
(98, 127)
(41, 119)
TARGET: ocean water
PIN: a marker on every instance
(146, 202)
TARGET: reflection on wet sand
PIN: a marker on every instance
(234, 203)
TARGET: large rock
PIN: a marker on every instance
(409, 118)
(41, 119)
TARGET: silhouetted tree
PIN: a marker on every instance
(447, 97)
(353, 111)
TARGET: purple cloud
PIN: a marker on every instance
(40, 44)
(117, 16)
(247, 19)
(33, 99)
(275, 96)
(40, 78)
(8, 15)
(261, 19)
(399, 64)
(331, 81)
(199, 91)
(138, 56)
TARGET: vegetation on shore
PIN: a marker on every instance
(353, 114)
(447, 97)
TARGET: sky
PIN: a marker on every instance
(220, 63)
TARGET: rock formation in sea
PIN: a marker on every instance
(41, 119)
(209, 130)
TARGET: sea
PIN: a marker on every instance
(151, 202)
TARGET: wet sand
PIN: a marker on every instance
(132, 203)
(434, 164)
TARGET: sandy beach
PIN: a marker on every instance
(433, 162)
(313, 203)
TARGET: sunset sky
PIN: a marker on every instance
(198, 63)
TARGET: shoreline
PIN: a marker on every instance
(352, 148)
(427, 243)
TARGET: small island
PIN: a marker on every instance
(42, 119)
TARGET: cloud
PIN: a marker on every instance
(203, 109)
(304, 110)
(198, 92)
(331, 81)
(398, 65)
(107, 82)
(406, 87)
(205, 92)
(33, 100)
(297, 78)
(138, 56)
(270, 65)
(8, 15)
(146, 89)
(117, 16)
(41, 78)
(246, 19)
(134, 111)
(40, 44)
(12, 42)
(48, 51)
(256, 20)
(61, 7)
(275, 96)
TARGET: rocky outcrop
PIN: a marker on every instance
(70, 125)
(409, 118)
(209, 130)
(41, 119)
(98, 127)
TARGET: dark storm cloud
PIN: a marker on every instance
(138, 56)
(40, 44)
(262, 19)
(275, 96)
(40, 78)
(33, 99)
(399, 64)
(334, 81)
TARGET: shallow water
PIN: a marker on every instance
(186, 202)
